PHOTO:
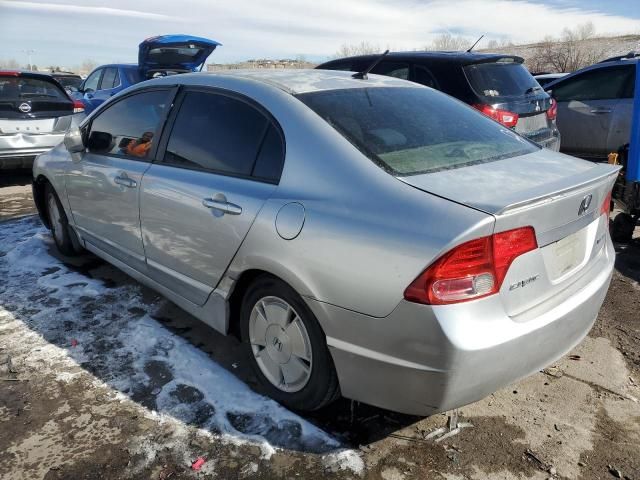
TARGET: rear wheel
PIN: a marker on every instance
(59, 223)
(623, 227)
(287, 347)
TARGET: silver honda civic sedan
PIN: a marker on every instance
(370, 238)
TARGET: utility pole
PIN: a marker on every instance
(29, 53)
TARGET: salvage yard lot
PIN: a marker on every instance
(102, 378)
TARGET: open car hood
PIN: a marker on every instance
(174, 52)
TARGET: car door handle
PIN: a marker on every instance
(125, 181)
(223, 206)
(601, 110)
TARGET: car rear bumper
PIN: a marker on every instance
(423, 360)
(18, 151)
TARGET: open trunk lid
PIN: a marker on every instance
(174, 53)
(560, 196)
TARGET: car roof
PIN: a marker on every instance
(460, 58)
(595, 66)
(293, 81)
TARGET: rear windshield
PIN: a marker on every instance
(69, 81)
(24, 88)
(173, 55)
(409, 131)
(501, 79)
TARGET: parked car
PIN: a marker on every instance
(498, 85)
(70, 81)
(35, 114)
(372, 238)
(546, 78)
(595, 106)
(164, 55)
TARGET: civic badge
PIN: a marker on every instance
(584, 205)
(24, 108)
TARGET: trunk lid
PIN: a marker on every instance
(174, 53)
(559, 196)
(31, 103)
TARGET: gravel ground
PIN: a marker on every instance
(100, 378)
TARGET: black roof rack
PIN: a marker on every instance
(629, 56)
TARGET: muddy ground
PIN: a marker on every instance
(100, 378)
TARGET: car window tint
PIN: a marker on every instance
(600, 84)
(91, 83)
(409, 131)
(424, 77)
(345, 65)
(504, 78)
(392, 69)
(130, 125)
(630, 85)
(217, 133)
(108, 78)
(20, 88)
(271, 157)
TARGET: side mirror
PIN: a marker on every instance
(73, 140)
(100, 142)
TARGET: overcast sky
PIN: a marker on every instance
(66, 32)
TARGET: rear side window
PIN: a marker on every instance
(600, 84)
(129, 127)
(109, 79)
(500, 79)
(226, 135)
(345, 65)
(409, 131)
(16, 88)
(424, 77)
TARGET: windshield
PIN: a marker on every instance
(23, 88)
(409, 131)
(501, 79)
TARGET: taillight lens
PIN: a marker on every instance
(552, 113)
(605, 208)
(472, 270)
(508, 119)
(78, 106)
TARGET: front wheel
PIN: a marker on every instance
(287, 347)
(59, 223)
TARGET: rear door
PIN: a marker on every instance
(586, 105)
(109, 83)
(103, 182)
(220, 162)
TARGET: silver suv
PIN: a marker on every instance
(595, 106)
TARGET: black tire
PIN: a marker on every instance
(322, 385)
(622, 228)
(58, 223)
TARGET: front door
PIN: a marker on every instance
(103, 185)
(221, 162)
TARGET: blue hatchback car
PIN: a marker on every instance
(166, 54)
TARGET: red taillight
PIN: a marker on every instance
(472, 270)
(605, 208)
(552, 113)
(508, 119)
(78, 106)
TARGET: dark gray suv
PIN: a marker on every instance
(499, 86)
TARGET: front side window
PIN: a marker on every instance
(223, 134)
(92, 81)
(410, 131)
(607, 83)
(129, 127)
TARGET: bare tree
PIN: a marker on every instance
(447, 42)
(362, 48)
(87, 66)
(10, 64)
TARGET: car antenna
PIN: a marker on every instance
(471, 47)
(363, 74)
